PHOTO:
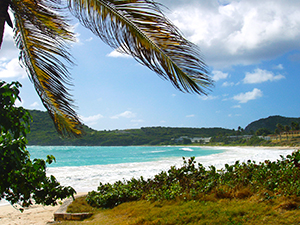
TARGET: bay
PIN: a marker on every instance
(100, 155)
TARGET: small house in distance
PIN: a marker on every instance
(203, 140)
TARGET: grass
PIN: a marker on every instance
(242, 193)
(80, 205)
(210, 209)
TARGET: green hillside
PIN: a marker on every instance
(270, 123)
(44, 133)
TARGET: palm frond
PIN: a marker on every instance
(41, 35)
(139, 28)
(4, 17)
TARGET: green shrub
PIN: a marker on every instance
(240, 180)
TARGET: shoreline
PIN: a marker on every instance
(201, 146)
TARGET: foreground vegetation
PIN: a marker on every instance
(209, 210)
(243, 193)
(23, 180)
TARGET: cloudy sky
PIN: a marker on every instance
(252, 48)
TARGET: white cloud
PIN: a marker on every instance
(8, 49)
(240, 32)
(35, 104)
(279, 67)
(190, 116)
(218, 75)
(251, 95)
(260, 76)
(137, 121)
(236, 106)
(228, 84)
(118, 54)
(208, 97)
(19, 103)
(91, 120)
(89, 39)
(11, 69)
(75, 28)
(126, 114)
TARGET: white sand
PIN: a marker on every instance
(35, 215)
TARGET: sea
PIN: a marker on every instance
(84, 167)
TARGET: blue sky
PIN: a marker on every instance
(252, 48)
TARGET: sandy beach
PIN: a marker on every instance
(34, 215)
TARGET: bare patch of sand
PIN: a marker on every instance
(33, 215)
(36, 214)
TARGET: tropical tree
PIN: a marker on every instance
(23, 180)
(262, 132)
(277, 131)
(287, 129)
(294, 127)
(280, 129)
(297, 126)
(135, 27)
(239, 130)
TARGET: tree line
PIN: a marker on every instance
(44, 133)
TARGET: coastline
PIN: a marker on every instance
(38, 214)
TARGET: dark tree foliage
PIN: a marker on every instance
(271, 122)
(263, 132)
(23, 181)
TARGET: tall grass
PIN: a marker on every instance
(208, 210)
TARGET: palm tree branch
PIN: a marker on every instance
(4, 17)
(41, 35)
(139, 28)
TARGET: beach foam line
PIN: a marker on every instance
(187, 149)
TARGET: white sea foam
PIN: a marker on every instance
(158, 151)
(187, 149)
(87, 178)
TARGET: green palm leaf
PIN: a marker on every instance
(41, 35)
(139, 28)
(4, 17)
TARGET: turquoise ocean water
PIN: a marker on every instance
(99, 155)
